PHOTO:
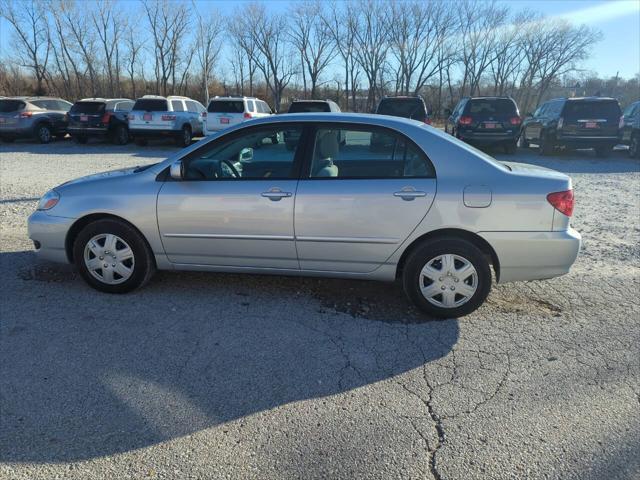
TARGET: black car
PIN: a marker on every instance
(573, 123)
(41, 118)
(291, 137)
(407, 107)
(629, 129)
(100, 117)
(486, 121)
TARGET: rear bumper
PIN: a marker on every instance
(579, 141)
(49, 234)
(488, 138)
(165, 132)
(87, 130)
(534, 255)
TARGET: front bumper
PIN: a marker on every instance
(534, 255)
(49, 234)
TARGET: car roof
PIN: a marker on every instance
(490, 98)
(28, 99)
(578, 99)
(227, 98)
(338, 117)
(97, 99)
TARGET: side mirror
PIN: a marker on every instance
(245, 155)
(176, 170)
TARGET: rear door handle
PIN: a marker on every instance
(276, 194)
(409, 194)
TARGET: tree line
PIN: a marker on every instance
(354, 51)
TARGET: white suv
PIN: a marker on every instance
(181, 118)
(226, 111)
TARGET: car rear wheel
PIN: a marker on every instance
(112, 257)
(141, 142)
(634, 146)
(603, 152)
(547, 145)
(184, 140)
(43, 133)
(120, 135)
(447, 277)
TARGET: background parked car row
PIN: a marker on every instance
(562, 123)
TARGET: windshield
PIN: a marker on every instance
(491, 106)
(7, 106)
(309, 107)
(226, 106)
(407, 108)
(151, 105)
(88, 107)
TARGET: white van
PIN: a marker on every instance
(226, 111)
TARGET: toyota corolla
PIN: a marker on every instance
(357, 196)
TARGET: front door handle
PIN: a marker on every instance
(276, 194)
(409, 194)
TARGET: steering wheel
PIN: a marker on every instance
(234, 171)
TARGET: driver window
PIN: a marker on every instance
(257, 153)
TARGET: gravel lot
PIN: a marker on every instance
(228, 376)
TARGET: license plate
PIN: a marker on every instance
(490, 125)
(147, 116)
(84, 118)
(224, 120)
(591, 125)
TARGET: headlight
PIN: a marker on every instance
(49, 200)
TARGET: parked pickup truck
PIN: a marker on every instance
(180, 118)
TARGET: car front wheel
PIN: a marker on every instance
(634, 146)
(447, 278)
(112, 256)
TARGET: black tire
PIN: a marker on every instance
(426, 253)
(603, 152)
(143, 264)
(120, 135)
(141, 142)
(546, 145)
(634, 146)
(184, 139)
(43, 133)
(81, 139)
(510, 147)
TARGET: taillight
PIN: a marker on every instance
(465, 120)
(560, 123)
(24, 115)
(106, 117)
(515, 120)
(247, 115)
(621, 122)
(168, 117)
(562, 201)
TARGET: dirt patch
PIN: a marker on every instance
(48, 273)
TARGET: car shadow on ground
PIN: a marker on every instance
(86, 374)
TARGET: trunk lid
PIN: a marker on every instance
(592, 118)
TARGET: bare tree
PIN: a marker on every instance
(312, 38)
(208, 32)
(132, 56)
(371, 34)
(243, 50)
(109, 25)
(31, 36)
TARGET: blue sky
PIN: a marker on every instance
(619, 21)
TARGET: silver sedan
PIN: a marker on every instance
(355, 196)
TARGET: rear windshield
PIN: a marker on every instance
(226, 106)
(409, 108)
(309, 107)
(88, 107)
(7, 106)
(592, 109)
(491, 106)
(151, 105)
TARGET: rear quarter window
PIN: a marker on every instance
(594, 109)
(88, 107)
(7, 106)
(309, 107)
(226, 106)
(403, 108)
(151, 105)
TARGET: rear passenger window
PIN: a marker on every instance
(177, 105)
(367, 153)
(251, 106)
